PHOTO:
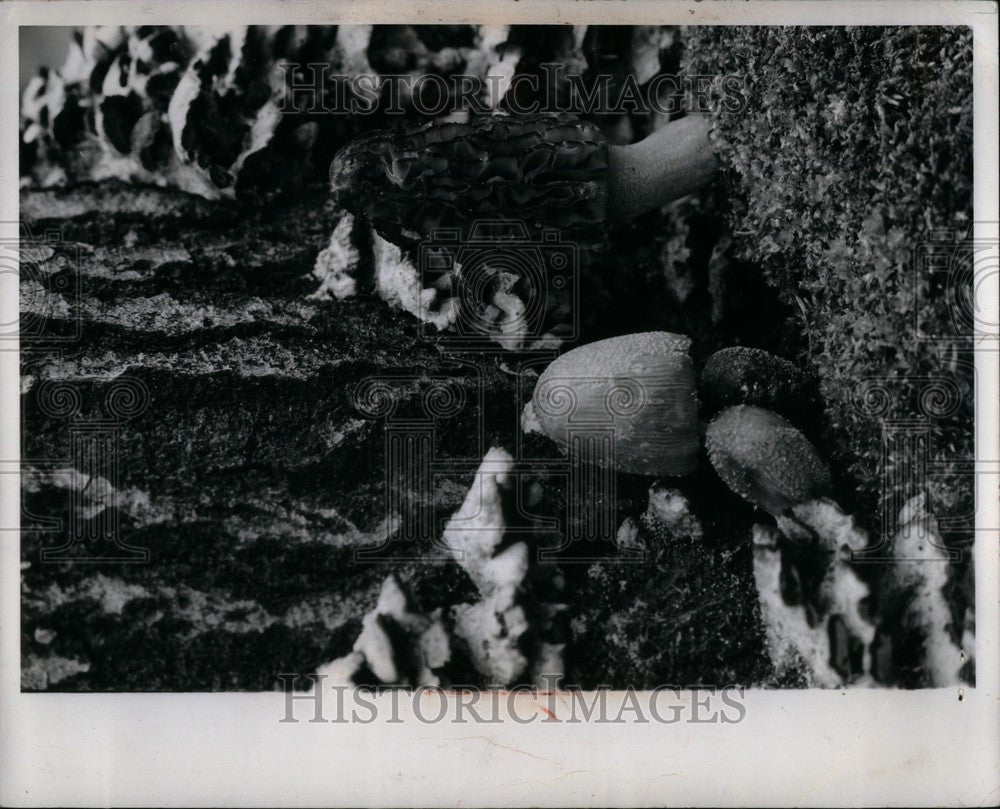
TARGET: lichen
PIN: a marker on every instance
(400, 283)
(509, 633)
(192, 108)
(915, 606)
(337, 263)
(828, 625)
(398, 644)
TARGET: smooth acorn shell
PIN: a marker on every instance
(764, 459)
(752, 376)
(629, 403)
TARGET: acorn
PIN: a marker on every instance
(752, 376)
(629, 403)
(764, 459)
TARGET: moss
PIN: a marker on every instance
(854, 145)
(686, 613)
(250, 478)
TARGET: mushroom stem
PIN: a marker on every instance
(672, 162)
(539, 169)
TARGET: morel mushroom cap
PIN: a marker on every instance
(545, 170)
(627, 403)
(764, 459)
(541, 169)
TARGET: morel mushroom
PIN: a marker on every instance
(545, 170)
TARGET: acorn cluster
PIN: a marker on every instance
(642, 388)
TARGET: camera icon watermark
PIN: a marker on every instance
(41, 270)
(510, 285)
(964, 268)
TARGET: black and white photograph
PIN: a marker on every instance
(442, 360)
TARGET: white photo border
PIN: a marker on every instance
(858, 747)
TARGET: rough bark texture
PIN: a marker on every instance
(249, 475)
